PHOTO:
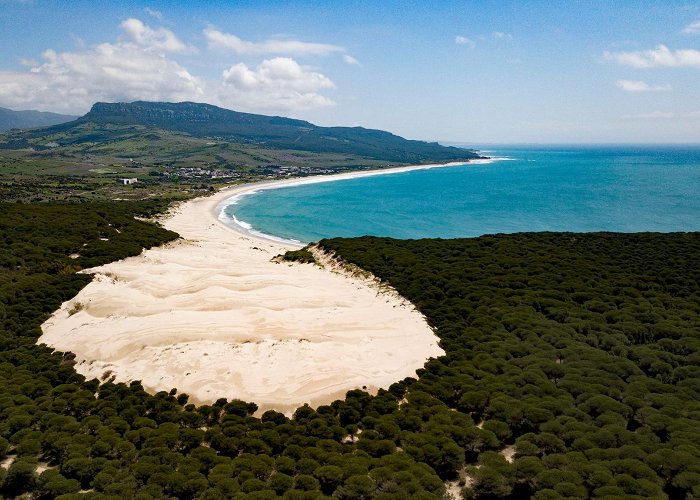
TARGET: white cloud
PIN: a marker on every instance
(283, 70)
(350, 60)
(662, 115)
(153, 13)
(228, 41)
(141, 67)
(159, 39)
(499, 35)
(73, 81)
(640, 86)
(661, 56)
(278, 83)
(462, 40)
(692, 28)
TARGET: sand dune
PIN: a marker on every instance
(214, 316)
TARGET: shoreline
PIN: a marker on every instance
(213, 315)
(252, 188)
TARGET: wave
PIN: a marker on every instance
(245, 227)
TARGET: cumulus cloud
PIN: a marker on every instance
(140, 66)
(70, 81)
(640, 86)
(160, 39)
(278, 83)
(462, 40)
(227, 41)
(693, 28)
(661, 56)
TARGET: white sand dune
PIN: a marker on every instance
(213, 316)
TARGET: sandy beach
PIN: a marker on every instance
(214, 315)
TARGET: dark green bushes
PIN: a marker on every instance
(580, 349)
(579, 353)
(303, 256)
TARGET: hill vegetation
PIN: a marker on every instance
(272, 132)
(205, 120)
(578, 352)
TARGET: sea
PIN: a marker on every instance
(622, 188)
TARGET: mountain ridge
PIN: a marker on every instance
(277, 132)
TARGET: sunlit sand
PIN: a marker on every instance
(214, 316)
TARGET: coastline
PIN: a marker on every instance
(255, 187)
(214, 315)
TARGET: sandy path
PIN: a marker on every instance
(214, 316)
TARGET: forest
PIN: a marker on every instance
(581, 350)
(572, 369)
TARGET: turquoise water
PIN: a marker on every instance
(557, 188)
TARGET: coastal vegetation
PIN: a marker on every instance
(303, 256)
(571, 370)
(577, 353)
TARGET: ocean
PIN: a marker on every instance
(526, 188)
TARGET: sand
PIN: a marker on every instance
(214, 316)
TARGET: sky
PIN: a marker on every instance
(474, 72)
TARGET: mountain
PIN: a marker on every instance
(275, 132)
(27, 119)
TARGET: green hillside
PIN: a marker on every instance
(205, 120)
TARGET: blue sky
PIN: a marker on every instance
(475, 72)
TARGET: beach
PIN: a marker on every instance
(215, 315)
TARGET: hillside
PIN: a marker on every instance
(274, 132)
(10, 119)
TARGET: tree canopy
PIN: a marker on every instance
(578, 352)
